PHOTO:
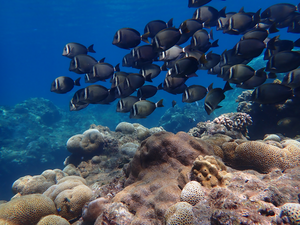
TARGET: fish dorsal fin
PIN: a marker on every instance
(101, 60)
(210, 87)
(170, 23)
(242, 10)
(227, 87)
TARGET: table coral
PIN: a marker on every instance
(209, 171)
(180, 214)
(53, 219)
(26, 210)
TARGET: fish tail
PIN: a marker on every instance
(77, 82)
(159, 103)
(145, 36)
(91, 48)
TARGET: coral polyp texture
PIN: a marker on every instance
(69, 195)
(53, 219)
(26, 210)
(192, 193)
(263, 157)
(209, 171)
(180, 214)
(292, 212)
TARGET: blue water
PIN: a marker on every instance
(33, 34)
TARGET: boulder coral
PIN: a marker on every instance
(37, 184)
(261, 156)
(89, 143)
(180, 214)
(153, 176)
(193, 193)
(125, 127)
(69, 195)
(209, 171)
(26, 210)
(53, 219)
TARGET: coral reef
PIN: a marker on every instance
(27, 210)
(291, 211)
(209, 171)
(192, 193)
(261, 156)
(69, 195)
(231, 124)
(180, 213)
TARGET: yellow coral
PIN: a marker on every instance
(209, 171)
(53, 219)
(26, 210)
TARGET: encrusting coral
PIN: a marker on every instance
(209, 171)
(26, 210)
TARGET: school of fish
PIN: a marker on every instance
(182, 62)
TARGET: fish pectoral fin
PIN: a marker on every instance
(218, 106)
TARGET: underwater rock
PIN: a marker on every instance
(126, 128)
(129, 149)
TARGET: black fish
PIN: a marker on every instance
(102, 71)
(241, 22)
(146, 91)
(174, 91)
(62, 85)
(200, 39)
(210, 61)
(167, 38)
(229, 57)
(282, 62)
(171, 53)
(72, 49)
(249, 48)
(154, 26)
(75, 103)
(279, 12)
(292, 79)
(214, 97)
(128, 38)
(271, 93)
(152, 69)
(223, 22)
(174, 103)
(208, 15)
(143, 108)
(194, 93)
(82, 64)
(185, 67)
(239, 73)
(197, 3)
(124, 105)
(93, 94)
(259, 77)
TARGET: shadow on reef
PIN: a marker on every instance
(269, 119)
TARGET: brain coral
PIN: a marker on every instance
(90, 142)
(192, 193)
(180, 214)
(69, 195)
(209, 171)
(53, 219)
(31, 185)
(263, 157)
(26, 210)
(292, 211)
